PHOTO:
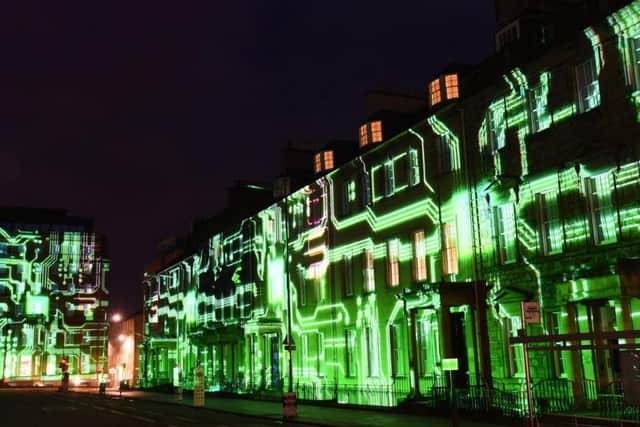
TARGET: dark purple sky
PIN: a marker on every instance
(141, 113)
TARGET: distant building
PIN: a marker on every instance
(53, 296)
(126, 350)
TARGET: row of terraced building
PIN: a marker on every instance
(515, 180)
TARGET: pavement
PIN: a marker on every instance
(322, 416)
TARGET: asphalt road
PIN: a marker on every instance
(47, 408)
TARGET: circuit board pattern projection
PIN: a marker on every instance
(53, 303)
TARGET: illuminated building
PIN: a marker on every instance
(53, 297)
(520, 183)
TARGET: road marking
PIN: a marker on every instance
(137, 417)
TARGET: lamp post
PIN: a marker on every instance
(289, 399)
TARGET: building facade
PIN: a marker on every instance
(53, 297)
(521, 183)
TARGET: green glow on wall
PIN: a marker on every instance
(225, 306)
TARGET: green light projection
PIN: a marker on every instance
(53, 302)
(225, 305)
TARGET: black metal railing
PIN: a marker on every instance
(553, 395)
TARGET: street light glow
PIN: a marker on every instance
(116, 317)
(122, 337)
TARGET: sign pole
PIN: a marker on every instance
(526, 317)
(451, 365)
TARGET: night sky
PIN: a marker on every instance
(139, 114)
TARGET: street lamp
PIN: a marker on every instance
(117, 317)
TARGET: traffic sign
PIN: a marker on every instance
(531, 312)
(450, 364)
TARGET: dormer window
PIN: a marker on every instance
(434, 92)
(444, 88)
(451, 82)
(323, 161)
(370, 133)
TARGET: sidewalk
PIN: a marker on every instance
(307, 414)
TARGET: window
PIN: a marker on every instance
(393, 269)
(302, 287)
(419, 257)
(315, 210)
(538, 115)
(366, 189)
(505, 233)
(497, 125)
(364, 136)
(602, 218)
(451, 83)
(350, 353)
(347, 276)
(376, 131)
(389, 179)
(549, 226)
(348, 196)
(323, 161)
(395, 348)
(513, 353)
(507, 35)
(368, 271)
(434, 92)
(371, 347)
(414, 168)
(370, 133)
(553, 325)
(635, 62)
(449, 251)
(588, 86)
(443, 147)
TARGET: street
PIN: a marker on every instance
(47, 408)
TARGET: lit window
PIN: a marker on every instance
(318, 163)
(588, 86)
(549, 226)
(368, 272)
(393, 268)
(370, 133)
(449, 251)
(602, 216)
(419, 257)
(434, 92)
(506, 233)
(451, 83)
(328, 160)
(376, 131)
(364, 140)
(323, 161)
